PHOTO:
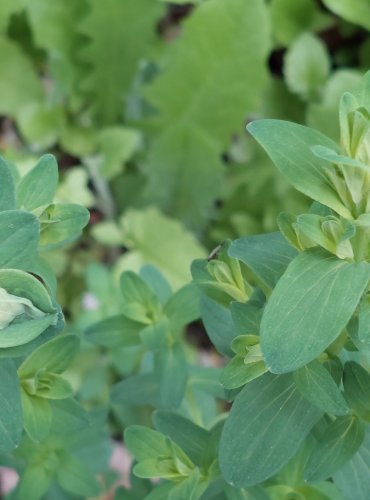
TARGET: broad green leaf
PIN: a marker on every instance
(37, 416)
(115, 331)
(267, 410)
(338, 443)
(7, 9)
(192, 438)
(191, 488)
(17, 91)
(19, 238)
(119, 30)
(40, 124)
(364, 321)
(7, 187)
(355, 11)
(146, 443)
(76, 478)
(11, 422)
(53, 356)
(62, 223)
(218, 324)
(190, 162)
(307, 66)
(356, 382)
(317, 386)
(353, 478)
(309, 307)
(290, 18)
(212, 66)
(296, 161)
(153, 238)
(116, 146)
(37, 188)
(267, 255)
(183, 307)
(69, 416)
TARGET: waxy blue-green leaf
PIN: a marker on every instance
(74, 477)
(37, 416)
(296, 161)
(356, 383)
(19, 238)
(317, 386)
(183, 307)
(137, 390)
(309, 307)
(353, 478)
(267, 423)
(11, 423)
(218, 324)
(338, 443)
(37, 188)
(267, 255)
(115, 331)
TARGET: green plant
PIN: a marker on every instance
(290, 310)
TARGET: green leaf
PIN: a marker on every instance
(52, 386)
(157, 282)
(364, 321)
(172, 370)
(338, 443)
(145, 443)
(115, 331)
(353, 477)
(119, 30)
(11, 423)
(307, 66)
(161, 241)
(309, 308)
(183, 307)
(62, 223)
(140, 303)
(190, 162)
(7, 9)
(76, 478)
(295, 160)
(236, 373)
(53, 356)
(218, 324)
(37, 188)
(356, 383)
(289, 19)
(190, 437)
(267, 255)
(213, 66)
(37, 416)
(355, 11)
(136, 390)
(246, 317)
(7, 187)
(317, 386)
(16, 91)
(267, 410)
(19, 238)
(34, 482)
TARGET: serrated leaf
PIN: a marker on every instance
(307, 66)
(309, 307)
(267, 410)
(119, 30)
(296, 161)
(317, 386)
(156, 239)
(16, 91)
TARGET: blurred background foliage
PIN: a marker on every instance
(144, 103)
